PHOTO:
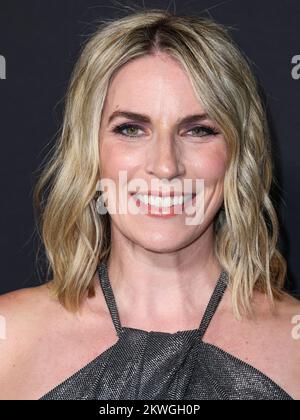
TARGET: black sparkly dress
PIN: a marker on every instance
(156, 365)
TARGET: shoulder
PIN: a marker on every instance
(38, 335)
(25, 305)
(23, 317)
(287, 317)
(281, 322)
(281, 336)
(286, 314)
(269, 340)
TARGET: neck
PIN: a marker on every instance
(162, 289)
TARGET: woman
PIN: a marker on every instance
(144, 304)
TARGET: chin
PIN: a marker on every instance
(161, 243)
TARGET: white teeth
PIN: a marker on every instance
(162, 202)
(167, 201)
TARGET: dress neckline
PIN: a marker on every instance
(215, 299)
(210, 350)
(217, 294)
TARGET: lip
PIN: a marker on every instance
(153, 211)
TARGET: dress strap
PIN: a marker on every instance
(109, 296)
(213, 303)
(208, 314)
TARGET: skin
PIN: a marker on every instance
(173, 262)
(162, 271)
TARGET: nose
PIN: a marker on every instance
(164, 158)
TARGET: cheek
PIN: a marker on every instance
(210, 164)
(115, 157)
(211, 167)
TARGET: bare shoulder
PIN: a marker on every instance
(43, 343)
(288, 315)
(19, 307)
(22, 309)
(281, 338)
(25, 295)
(269, 341)
(282, 322)
(23, 314)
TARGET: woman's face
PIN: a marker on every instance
(162, 148)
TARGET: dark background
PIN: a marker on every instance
(40, 41)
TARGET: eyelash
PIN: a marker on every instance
(211, 131)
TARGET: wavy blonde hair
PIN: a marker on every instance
(77, 238)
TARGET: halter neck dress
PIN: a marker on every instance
(153, 365)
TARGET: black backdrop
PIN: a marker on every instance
(39, 43)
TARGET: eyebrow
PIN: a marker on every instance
(142, 118)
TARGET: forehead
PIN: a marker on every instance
(155, 83)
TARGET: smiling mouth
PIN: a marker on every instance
(163, 206)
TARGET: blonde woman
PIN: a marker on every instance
(144, 304)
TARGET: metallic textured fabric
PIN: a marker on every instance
(151, 365)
